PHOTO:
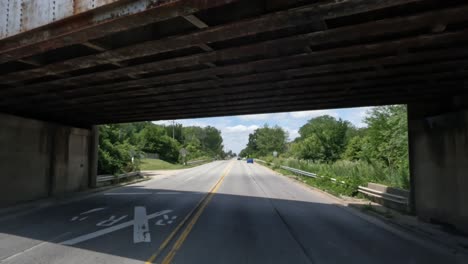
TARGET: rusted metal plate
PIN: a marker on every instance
(19, 16)
(23, 15)
(3, 18)
(80, 6)
(92, 25)
(63, 9)
(128, 9)
(36, 13)
(14, 17)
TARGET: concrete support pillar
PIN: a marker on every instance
(59, 159)
(93, 156)
(40, 159)
(438, 149)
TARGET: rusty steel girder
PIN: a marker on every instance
(28, 27)
(24, 15)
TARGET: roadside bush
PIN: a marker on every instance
(353, 173)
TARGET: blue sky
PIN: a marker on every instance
(235, 129)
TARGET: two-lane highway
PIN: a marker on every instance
(221, 212)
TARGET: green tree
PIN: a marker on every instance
(355, 149)
(201, 141)
(175, 131)
(387, 134)
(323, 138)
(213, 141)
(153, 139)
(264, 141)
(116, 151)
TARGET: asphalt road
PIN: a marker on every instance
(221, 212)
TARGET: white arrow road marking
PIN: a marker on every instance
(166, 220)
(87, 212)
(111, 221)
(141, 231)
(94, 210)
(108, 230)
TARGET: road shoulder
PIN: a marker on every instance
(405, 226)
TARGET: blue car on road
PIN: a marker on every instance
(250, 160)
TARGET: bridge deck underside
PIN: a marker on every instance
(186, 59)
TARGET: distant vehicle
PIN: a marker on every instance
(239, 158)
(250, 160)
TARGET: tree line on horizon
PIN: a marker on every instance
(122, 146)
(329, 140)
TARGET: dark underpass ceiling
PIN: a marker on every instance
(242, 57)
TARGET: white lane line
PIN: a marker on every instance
(141, 231)
(93, 210)
(189, 178)
(108, 230)
(167, 192)
(33, 247)
(129, 193)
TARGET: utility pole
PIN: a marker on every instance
(173, 127)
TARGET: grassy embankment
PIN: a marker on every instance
(156, 164)
(352, 173)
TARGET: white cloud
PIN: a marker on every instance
(184, 122)
(294, 115)
(240, 129)
(312, 113)
(357, 117)
(163, 122)
(260, 117)
(293, 133)
(235, 138)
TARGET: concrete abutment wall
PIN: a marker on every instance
(40, 159)
(438, 141)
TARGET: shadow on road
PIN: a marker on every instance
(230, 225)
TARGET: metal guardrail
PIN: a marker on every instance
(382, 195)
(300, 172)
(392, 198)
(105, 178)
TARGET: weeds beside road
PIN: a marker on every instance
(353, 174)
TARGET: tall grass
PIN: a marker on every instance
(354, 173)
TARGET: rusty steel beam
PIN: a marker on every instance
(196, 21)
(108, 19)
(264, 84)
(171, 44)
(270, 22)
(334, 54)
(453, 59)
(256, 109)
(317, 103)
(24, 16)
(369, 30)
(149, 48)
(303, 87)
(119, 16)
(296, 62)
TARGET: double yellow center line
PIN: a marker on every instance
(196, 213)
